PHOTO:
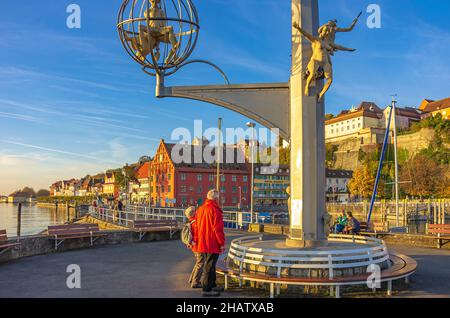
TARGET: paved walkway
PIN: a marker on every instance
(161, 269)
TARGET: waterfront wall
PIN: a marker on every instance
(43, 244)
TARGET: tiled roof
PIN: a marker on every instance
(366, 109)
(232, 158)
(143, 171)
(438, 105)
(339, 174)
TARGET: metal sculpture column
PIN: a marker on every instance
(295, 108)
(307, 137)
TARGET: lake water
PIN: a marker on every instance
(34, 219)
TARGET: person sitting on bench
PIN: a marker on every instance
(341, 222)
(353, 226)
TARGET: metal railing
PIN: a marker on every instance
(131, 213)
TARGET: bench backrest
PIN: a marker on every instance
(379, 227)
(3, 236)
(439, 229)
(72, 229)
(140, 224)
(363, 226)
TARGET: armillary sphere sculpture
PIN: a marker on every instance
(160, 35)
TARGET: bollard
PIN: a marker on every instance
(19, 220)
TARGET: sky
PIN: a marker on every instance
(73, 103)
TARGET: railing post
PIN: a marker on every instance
(19, 220)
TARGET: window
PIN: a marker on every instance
(234, 200)
(169, 189)
(234, 178)
(162, 189)
(244, 189)
(211, 187)
(169, 176)
(223, 178)
(200, 189)
(332, 131)
(234, 189)
(183, 177)
(183, 200)
(211, 177)
(183, 189)
(199, 177)
(223, 189)
(191, 188)
(245, 178)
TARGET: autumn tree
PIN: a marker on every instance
(423, 177)
(362, 183)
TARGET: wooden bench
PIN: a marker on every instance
(142, 227)
(60, 233)
(376, 229)
(4, 245)
(442, 232)
(402, 267)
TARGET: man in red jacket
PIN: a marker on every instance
(210, 240)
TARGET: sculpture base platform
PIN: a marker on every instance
(340, 256)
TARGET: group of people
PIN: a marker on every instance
(346, 223)
(207, 242)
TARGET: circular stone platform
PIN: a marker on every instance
(343, 256)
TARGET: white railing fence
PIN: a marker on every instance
(231, 219)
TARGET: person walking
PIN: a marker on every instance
(210, 240)
(197, 271)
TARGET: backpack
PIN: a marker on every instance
(186, 234)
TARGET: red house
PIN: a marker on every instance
(176, 183)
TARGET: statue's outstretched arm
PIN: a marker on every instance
(352, 26)
(338, 47)
(310, 37)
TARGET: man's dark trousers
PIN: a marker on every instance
(209, 272)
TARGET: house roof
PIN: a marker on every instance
(438, 105)
(232, 158)
(143, 171)
(347, 174)
(365, 109)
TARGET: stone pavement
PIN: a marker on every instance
(161, 269)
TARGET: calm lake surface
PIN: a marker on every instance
(34, 219)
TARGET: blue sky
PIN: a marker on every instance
(73, 103)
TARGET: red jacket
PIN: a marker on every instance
(210, 236)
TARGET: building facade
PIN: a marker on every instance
(176, 183)
(270, 186)
(337, 185)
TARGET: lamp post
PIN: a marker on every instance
(252, 126)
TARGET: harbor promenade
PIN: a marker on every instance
(161, 269)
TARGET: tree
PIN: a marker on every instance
(43, 193)
(29, 191)
(361, 185)
(330, 156)
(329, 116)
(425, 176)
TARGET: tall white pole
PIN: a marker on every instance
(397, 209)
(219, 150)
(253, 173)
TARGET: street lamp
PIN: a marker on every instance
(252, 126)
